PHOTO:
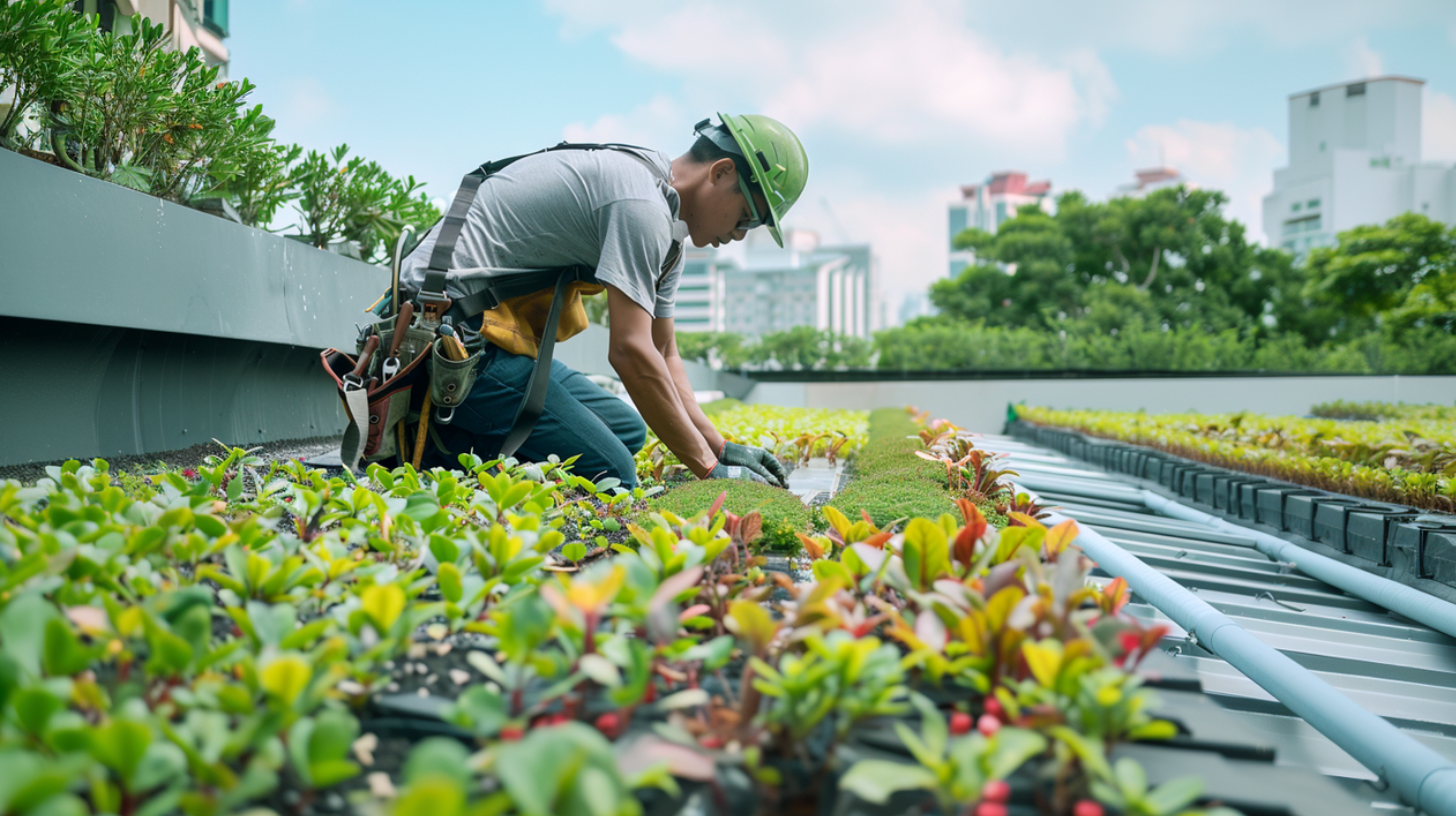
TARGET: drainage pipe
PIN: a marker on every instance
(1397, 597)
(1421, 776)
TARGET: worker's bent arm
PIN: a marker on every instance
(650, 383)
(664, 336)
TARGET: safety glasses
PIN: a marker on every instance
(754, 219)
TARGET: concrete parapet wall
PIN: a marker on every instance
(980, 405)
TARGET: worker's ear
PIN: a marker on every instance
(723, 170)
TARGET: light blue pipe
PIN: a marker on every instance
(1421, 776)
(1383, 592)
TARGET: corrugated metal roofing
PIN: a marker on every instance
(1402, 671)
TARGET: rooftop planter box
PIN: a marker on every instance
(161, 326)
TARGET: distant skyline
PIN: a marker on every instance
(897, 103)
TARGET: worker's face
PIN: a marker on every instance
(722, 212)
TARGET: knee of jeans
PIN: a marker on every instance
(633, 433)
(624, 464)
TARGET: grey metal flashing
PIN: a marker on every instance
(1422, 776)
(81, 391)
(1397, 597)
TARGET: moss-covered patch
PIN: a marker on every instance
(890, 482)
(783, 514)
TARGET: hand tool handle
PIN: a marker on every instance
(370, 346)
(406, 314)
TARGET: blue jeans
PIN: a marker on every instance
(580, 418)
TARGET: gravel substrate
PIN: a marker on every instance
(187, 457)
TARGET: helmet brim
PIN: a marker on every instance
(736, 128)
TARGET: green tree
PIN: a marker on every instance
(1406, 267)
(805, 347)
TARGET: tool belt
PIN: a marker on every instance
(426, 342)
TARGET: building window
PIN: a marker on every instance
(1313, 204)
(1355, 89)
(1314, 99)
(215, 16)
(1299, 226)
(1294, 207)
(1322, 147)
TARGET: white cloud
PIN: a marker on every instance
(906, 73)
(1216, 155)
(658, 122)
(1362, 61)
(1438, 126)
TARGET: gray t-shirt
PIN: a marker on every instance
(611, 210)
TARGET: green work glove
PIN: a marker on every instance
(726, 471)
(758, 460)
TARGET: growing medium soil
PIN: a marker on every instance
(30, 472)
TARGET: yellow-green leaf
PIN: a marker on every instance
(286, 678)
(383, 603)
(1044, 659)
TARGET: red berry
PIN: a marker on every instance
(1086, 807)
(960, 723)
(997, 790)
(511, 733)
(610, 724)
(988, 725)
(995, 709)
(990, 809)
(711, 741)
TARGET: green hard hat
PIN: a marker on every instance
(776, 159)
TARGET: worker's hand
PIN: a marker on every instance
(723, 470)
(763, 463)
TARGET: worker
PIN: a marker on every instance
(624, 212)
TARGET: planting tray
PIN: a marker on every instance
(1423, 547)
(1299, 516)
(1367, 531)
(1244, 495)
(1270, 502)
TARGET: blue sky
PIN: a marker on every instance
(897, 103)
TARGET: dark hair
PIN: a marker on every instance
(706, 151)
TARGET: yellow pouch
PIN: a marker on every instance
(517, 323)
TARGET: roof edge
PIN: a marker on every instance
(1339, 85)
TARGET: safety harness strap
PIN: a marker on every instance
(533, 402)
(503, 286)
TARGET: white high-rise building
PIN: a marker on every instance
(775, 289)
(1354, 158)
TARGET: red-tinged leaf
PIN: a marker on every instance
(681, 761)
(1152, 635)
(717, 504)
(1023, 520)
(963, 548)
(879, 540)
(814, 548)
(672, 587)
(750, 527)
(1116, 594)
(1060, 537)
(865, 514)
(929, 457)
(694, 611)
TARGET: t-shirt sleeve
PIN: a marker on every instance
(635, 240)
